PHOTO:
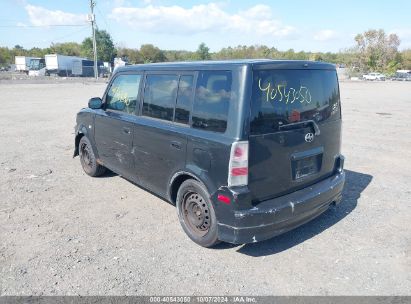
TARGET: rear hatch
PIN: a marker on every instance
(295, 130)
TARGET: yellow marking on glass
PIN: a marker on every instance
(279, 90)
(120, 95)
(288, 95)
(264, 89)
(307, 96)
(280, 93)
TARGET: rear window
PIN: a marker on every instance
(212, 100)
(281, 97)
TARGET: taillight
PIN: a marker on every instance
(224, 198)
(238, 167)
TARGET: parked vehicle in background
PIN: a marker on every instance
(120, 62)
(60, 65)
(37, 67)
(85, 68)
(246, 149)
(23, 63)
(105, 70)
(374, 76)
(402, 75)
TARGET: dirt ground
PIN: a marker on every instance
(64, 233)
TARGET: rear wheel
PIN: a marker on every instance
(88, 159)
(196, 213)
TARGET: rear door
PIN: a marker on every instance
(160, 134)
(295, 130)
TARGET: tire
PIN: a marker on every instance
(88, 159)
(196, 213)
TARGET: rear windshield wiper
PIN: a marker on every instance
(300, 125)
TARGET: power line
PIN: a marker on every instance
(102, 16)
(108, 27)
(68, 35)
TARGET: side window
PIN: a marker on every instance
(123, 92)
(212, 100)
(184, 97)
(160, 96)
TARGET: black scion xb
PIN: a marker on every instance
(246, 149)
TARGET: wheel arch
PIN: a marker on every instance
(176, 180)
(82, 131)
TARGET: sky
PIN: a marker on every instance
(316, 26)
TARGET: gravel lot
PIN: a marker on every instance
(64, 233)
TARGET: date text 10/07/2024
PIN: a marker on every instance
(203, 299)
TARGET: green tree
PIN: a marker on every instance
(6, 56)
(203, 52)
(133, 55)
(264, 52)
(38, 52)
(151, 53)
(406, 59)
(305, 56)
(179, 55)
(66, 48)
(316, 57)
(329, 57)
(105, 47)
(377, 51)
(18, 50)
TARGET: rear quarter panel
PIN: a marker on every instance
(207, 158)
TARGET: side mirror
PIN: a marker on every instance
(95, 103)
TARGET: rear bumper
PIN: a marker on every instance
(281, 214)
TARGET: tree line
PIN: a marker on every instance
(374, 50)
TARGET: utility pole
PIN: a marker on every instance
(93, 27)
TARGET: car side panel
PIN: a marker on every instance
(113, 136)
(159, 150)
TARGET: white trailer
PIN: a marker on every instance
(60, 64)
(119, 62)
(23, 63)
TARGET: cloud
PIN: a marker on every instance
(325, 35)
(210, 17)
(40, 16)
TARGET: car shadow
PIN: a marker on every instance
(108, 174)
(355, 184)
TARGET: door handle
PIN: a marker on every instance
(176, 145)
(126, 130)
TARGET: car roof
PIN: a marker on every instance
(229, 64)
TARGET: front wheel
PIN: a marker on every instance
(88, 159)
(196, 213)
